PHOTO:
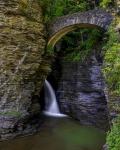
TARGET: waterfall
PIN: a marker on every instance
(52, 108)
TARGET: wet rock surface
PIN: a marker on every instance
(11, 126)
(81, 93)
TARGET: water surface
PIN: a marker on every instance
(59, 134)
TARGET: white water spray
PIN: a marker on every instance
(52, 108)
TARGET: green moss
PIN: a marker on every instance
(11, 113)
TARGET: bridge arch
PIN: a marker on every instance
(91, 19)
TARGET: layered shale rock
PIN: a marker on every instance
(22, 69)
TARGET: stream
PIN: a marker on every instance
(59, 134)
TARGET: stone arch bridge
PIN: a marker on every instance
(91, 19)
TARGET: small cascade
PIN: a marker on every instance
(52, 108)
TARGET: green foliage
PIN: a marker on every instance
(55, 8)
(112, 62)
(105, 3)
(80, 44)
(75, 6)
(112, 74)
(52, 8)
(113, 137)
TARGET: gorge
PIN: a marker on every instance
(51, 80)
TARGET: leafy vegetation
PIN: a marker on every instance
(79, 44)
(112, 62)
(112, 74)
(57, 8)
(105, 3)
(113, 138)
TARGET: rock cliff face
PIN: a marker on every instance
(81, 92)
(22, 71)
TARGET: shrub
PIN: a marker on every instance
(113, 137)
(112, 62)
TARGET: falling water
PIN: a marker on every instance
(52, 108)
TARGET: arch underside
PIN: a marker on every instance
(65, 24)
(57, 36)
